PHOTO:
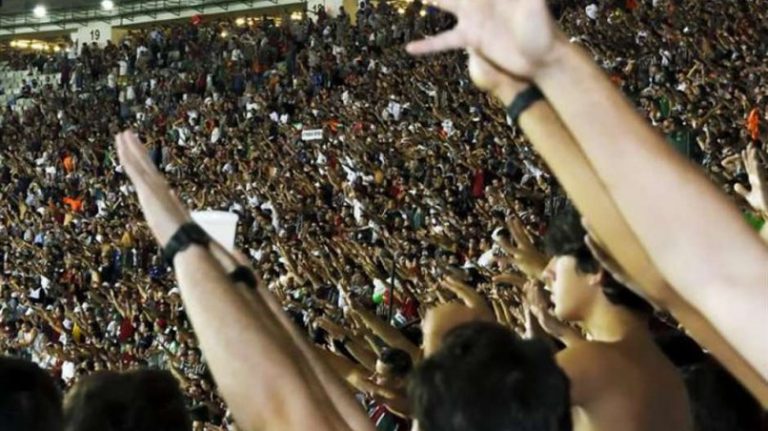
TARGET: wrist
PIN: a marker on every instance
(557, 61)
(192, 250)
(508, 92)
(523, 102)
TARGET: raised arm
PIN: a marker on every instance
(387, 332)
(356, 346)
(561, 152)
(282, 393)
(655, 189)
(693, 234)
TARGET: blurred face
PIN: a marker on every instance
(573, 292)
(383, 373)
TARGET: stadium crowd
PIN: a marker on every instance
(420, 202)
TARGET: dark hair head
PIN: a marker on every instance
(135, 401)
(29, 399)
(483, 378)
(413, 333)
(398, 361)
(566, 238)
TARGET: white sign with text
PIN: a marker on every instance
(312, 135)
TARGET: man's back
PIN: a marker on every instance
(628, 385)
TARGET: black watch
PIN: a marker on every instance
(244, 275)
(188, 234)
(522, 102)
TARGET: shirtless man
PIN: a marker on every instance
(619, 378)
(676, 261)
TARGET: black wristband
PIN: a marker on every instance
(522, 102)
(244, 275)
(188, 234)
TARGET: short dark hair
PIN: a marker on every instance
(134, 401)
(29, 398)
(399, 361)
(565, 237)
(484, 378)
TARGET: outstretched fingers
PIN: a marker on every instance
(131, 153)
(519, 233)
(742, 191)
(446, 41)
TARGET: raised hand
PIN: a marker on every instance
(519, 36)
(162, 209)
(536, 299)
(522, 251)
(757, 196)
(510, 278)
(492, 80)
(538, 304)
(469, 296)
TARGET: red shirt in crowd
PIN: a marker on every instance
(126, 330)
(478, 184)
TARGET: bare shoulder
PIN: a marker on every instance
(591, 368)
(590, 356)
(649, 383)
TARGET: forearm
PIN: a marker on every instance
(351, 373)
(357, 347)
(702, 331)
(233, 331)
(565, 159)
(389, 334)
(344, 403)
(654, 187)
(470, 298)
(656, 191)
(556, 328)
(535, 330)
(183, 382)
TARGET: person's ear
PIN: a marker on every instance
(597, 278)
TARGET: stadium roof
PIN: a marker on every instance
(22, 6)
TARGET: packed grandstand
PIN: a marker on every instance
(380, 195)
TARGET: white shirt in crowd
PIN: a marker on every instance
(141, 50)
(251, 108)
(123, 67)
(215, 135)
(395, 109)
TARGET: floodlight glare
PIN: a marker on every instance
(107, 5)
(39, 11)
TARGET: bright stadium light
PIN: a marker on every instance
(107, 5)
(39, 11)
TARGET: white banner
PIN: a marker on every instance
(99, 32)
(312, 135)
